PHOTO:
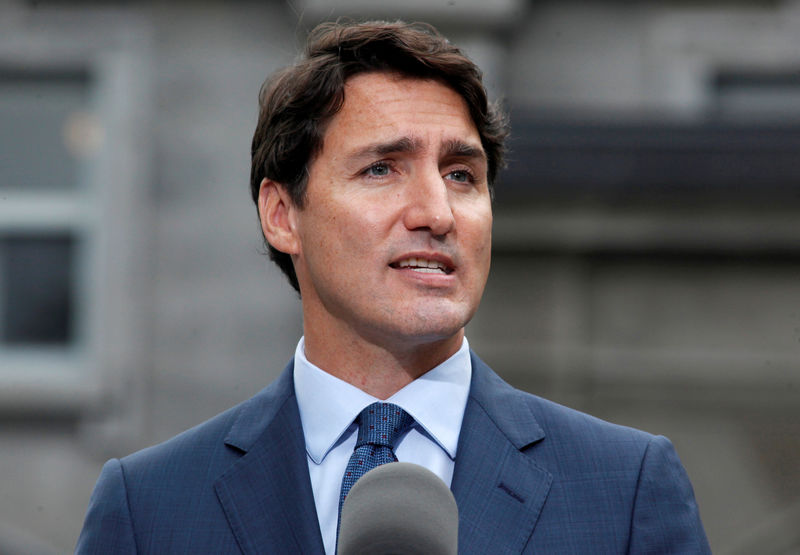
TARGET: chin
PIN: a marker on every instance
(426, 328)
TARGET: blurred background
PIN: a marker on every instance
(646, 243)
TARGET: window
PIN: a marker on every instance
(72, 168)
(42, 153)
(38, 289)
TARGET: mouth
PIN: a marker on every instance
(423, 266)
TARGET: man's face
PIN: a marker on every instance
(395, 235)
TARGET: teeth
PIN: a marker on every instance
(422, 265)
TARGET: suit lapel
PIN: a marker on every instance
(498, 488)
(266, 494)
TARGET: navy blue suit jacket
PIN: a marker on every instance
(530, 476)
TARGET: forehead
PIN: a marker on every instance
(381, 105)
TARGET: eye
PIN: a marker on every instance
(461, 176)
(378, 169)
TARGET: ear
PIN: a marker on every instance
(277, 213)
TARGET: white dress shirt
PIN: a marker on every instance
(328, 408)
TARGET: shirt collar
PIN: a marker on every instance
(328, 405)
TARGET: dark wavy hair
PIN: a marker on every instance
(297, 102)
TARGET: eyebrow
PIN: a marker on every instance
(453, 148)
(459, 149)
(403, 144)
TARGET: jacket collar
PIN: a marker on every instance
(266, 494)
(499, 488)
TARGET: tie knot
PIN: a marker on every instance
(382, 424)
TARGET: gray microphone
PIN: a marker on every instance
(399, 508)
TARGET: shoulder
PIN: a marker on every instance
(159, 484)
(565, 435)
(153, 499)
(213, 444)
(564, 424)
(204, 442)
(635, 476)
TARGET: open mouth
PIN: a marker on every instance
(423, 265)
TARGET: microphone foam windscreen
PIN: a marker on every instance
(400, 509)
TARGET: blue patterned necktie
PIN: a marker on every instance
(380, 425)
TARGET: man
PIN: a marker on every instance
(373, 162)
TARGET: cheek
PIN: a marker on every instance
(479, 231)
(363, 218)
(355, 231)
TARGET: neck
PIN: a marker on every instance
(378, 369)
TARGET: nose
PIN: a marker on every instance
(428, 205)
